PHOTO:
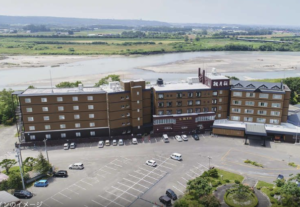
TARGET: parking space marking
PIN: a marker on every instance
(130, 187)
(98, 203)
(185, 179)
(117, 196)
(64, 195)
(178, 189)
(189, 175)
(194, 173)
(181, 184)
(124, 192)
(85, 182)
(110, 167)
(103, 171)
(165, 167)
(203, 165)
(168, 158)
(148, 171)
(139, 178)
(72, 191)
(115, 164)
(79, 187)
(57, 201)
(45, 203)
(100, 175)
(124, 161)
(134, 182)
(110, 201)
(147, 175)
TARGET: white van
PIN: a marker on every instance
(165, 138)
(176, 156)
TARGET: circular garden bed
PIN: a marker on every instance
(247, 199)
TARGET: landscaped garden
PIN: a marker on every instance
(240, 195)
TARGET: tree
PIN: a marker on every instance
(279, 182)
(186, 38)
(199, 187)
(213, 173)
(7, 107)
(204, 32)
(14, 181)
(197, 38)
(106, 79)
(232, 77)
(29, 162)
(241, 190)
(42, 165)
(68, 84)
(7, 164)
(210, 201)
(31, 86)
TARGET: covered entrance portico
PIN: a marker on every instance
(256, 131)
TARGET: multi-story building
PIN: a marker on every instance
(130, 108)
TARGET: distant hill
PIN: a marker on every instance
(64, 21)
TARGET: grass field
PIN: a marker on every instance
(268, 189)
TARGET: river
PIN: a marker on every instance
(14, 78)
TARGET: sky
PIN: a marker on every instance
(257, 12)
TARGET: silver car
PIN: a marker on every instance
(184, 137)
(178, 138)
(76, 166)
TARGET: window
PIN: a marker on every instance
(169, 112)
(164, 121)
(160, 104)
(169, 103)
(28, 109)
(220, 108)
(263, 95)
(44, 100)
(261, 120)
(214, 101)
(179, 111)
(198, 94)
(27, 100)
(127, 97)
(32, 137)
(261, 112)
(124, 132)
(167, 127)
(160, 112)
(48, 136)
(249, 111)
(137, 93)
(31, 128)
(249, 103)
(220, 99)
(62, 126)
(190, 103)
(129, 131)
(123, 124)
(197, 110)
(92, 124)
(63, 135)
(178, 103)
(127, 106)
(128, 114)
(160, 96)
(214, 109)
(47, 127)
(276, 105)
(234, 102)
(122, 98)
(263, 104)
(75, 107)
(179, 95)
(138, 110)
(90, 106)
(90, 98)
(189, 111)
(184, 127)
(75, 98)
(123, 115)
(138, 118)
(77, 125)
(45, 108)
(59, 99)
(122, 106)
(91, 116)
(198, 102)
(276, 96)
(128, 123)
(60, 108)
(236, 110)
(92, 133)
(274, 121)
(248, 119)
(76, 116)
(235, 118)
(61, 117)
(250, 95)
(221, 92)
(205, 109)
(30, 119)
(275, 113)
(46, 118)
(237, 93)
(215, 93)
(137, 101)
(190, 94)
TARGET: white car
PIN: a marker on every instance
(121, 142)
(151, 163)
(114, 142)
(184, 137)
(66, 146)
(176, 156)
(76, 166)
(134, 141)
(101, 144)
(107, 143)
(178, 138)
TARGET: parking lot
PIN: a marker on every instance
(118, 176)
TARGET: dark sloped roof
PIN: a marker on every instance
(294, 119)
(257, 86)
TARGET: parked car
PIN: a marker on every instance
(41, 183)
(165, 200)
(280, 177)
(66, 146)
(151, 163)
(178, 138)
(61, 173)
(76, 166)
(184, 137)
(114, 142)
(121, 142)
(165, 138)
(73, 145)
(100, 144)
(134, 141)
(107, 143)
(23, 194)
(171, 194)
(176, 156)
(195, 136)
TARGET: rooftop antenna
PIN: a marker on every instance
(51, 81)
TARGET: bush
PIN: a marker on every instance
(213, 173)
(237, 182)
(227, 181)
(292, 164)
(258, 188)
(270, 189)
(272, 194)
(247, 161)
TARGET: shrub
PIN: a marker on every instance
(292, 164)
(272, 194)
(227, 181)
(258, 188)
(237, 182)
(270, 189)
(213, 173)
(247, 161)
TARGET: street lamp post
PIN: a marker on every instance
(45, 140)
(21, 171)
(209, 161)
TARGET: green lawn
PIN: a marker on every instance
(275, 80)
(16, 169)
(268, 189)
(230, 176)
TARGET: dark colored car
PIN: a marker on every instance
(22, 194)
(171, 194)
(165, 200)
(280, 177)
(61, 173)
(195, 136)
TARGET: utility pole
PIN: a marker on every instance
(21, 171)
(209, 162)
(45, 140)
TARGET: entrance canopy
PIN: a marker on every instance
(255, 129)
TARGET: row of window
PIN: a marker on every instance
(204, 118)
(197, 110)
(164, 121)
(189, 94)
(61, 117)
(62, 126)
(250, 119)
(260, 104)
(189, 103)
(259, 112)
(59, 108)
(253, 95)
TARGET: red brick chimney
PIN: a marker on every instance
(203, 78)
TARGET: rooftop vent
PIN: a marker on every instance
(80, 87)
(160, 82)
(214, 71)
